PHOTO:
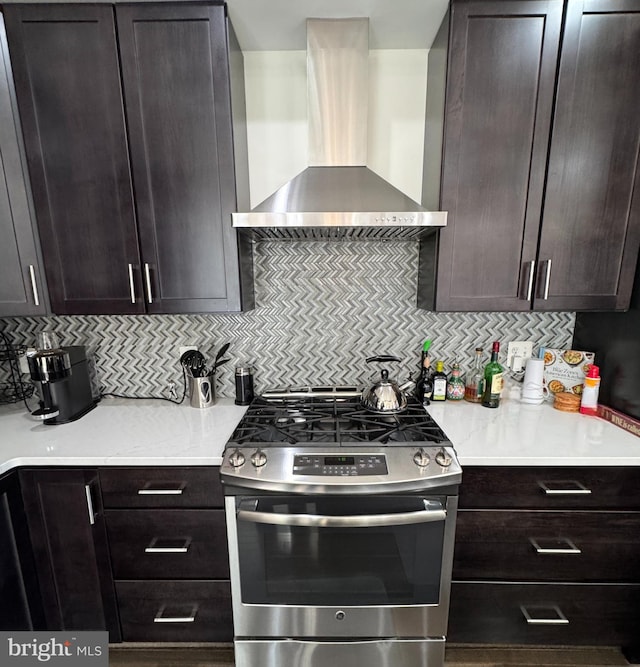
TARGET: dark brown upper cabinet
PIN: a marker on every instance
(127, 123)
(22, 287)
(540, 157)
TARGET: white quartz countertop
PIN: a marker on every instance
(516, 434)
(155, 433)
(120, 432)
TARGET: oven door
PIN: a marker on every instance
(327, 566)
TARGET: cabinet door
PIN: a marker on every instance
(19, 595)
(501, 76)
(68, 87)
(22, 287)
(591, 223)
(176, 79)
(67, 527)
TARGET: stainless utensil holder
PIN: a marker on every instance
(202, 391)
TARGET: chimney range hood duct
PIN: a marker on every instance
(337, 195)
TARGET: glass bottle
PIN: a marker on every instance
(493, 379)
(475, 380)
(424, 386)
(455, 385)
(439, 380)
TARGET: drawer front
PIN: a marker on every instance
(547, 546)
(161, 487)
(175, 611)
(168, 544)
(550, 488)
(581, 614)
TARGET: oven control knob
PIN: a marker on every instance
(443, 459)
(421, 458)
(236, 458)
(340, 615)
(258, 458)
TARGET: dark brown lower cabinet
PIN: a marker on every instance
(168, 543)
(547, 556)
(67, 528)
(568, 614)
(19, 595)
(175, 611)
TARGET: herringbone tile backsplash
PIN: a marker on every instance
(322, 308)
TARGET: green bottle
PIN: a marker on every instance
(493, 379)
(439, 381)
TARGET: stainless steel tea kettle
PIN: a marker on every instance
(386, 396)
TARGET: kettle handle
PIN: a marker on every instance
(382, 358)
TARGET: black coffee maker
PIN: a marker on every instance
(61, 376)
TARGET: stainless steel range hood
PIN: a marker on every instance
(337, 195)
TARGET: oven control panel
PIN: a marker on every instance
(340, 465)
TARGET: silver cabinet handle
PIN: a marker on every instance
(92, 513)
(547, 279)
(34, 287)
(155, 546)
(572, 488)
(571, 548)
(190, 618)
(161, 492)
(322, 521)
(532, 265)
(552, 615)
(132, 287)
(147, 275)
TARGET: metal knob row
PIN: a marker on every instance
(237, 458)
(422, 458)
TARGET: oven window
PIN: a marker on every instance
(354, 564)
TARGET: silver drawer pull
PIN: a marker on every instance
(548, 615)
(92, 513)
(190, 617)
(147, 490)
(147, 275)
(547, 280)
(530, 280)
(132, 287)
(34, 286)
(570, 547)
(159, 545)
(571, 488)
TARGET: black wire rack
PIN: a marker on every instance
(12, 388)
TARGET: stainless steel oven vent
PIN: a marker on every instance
(338, 196)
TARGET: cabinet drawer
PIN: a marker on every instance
(175, 611)
(161, 487)
(586, 614)
(168, 544)
(547, 546)
(550, 488)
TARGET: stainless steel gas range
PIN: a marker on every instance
(341, 526)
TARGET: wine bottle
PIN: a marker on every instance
(424, 386)
(493, 379)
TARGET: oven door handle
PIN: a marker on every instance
(359, 521)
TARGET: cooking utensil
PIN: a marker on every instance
(218, 361)
(385, 396)
(194, 363)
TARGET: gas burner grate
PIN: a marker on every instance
(314, 420)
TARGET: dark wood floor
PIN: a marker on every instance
(139, 655)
